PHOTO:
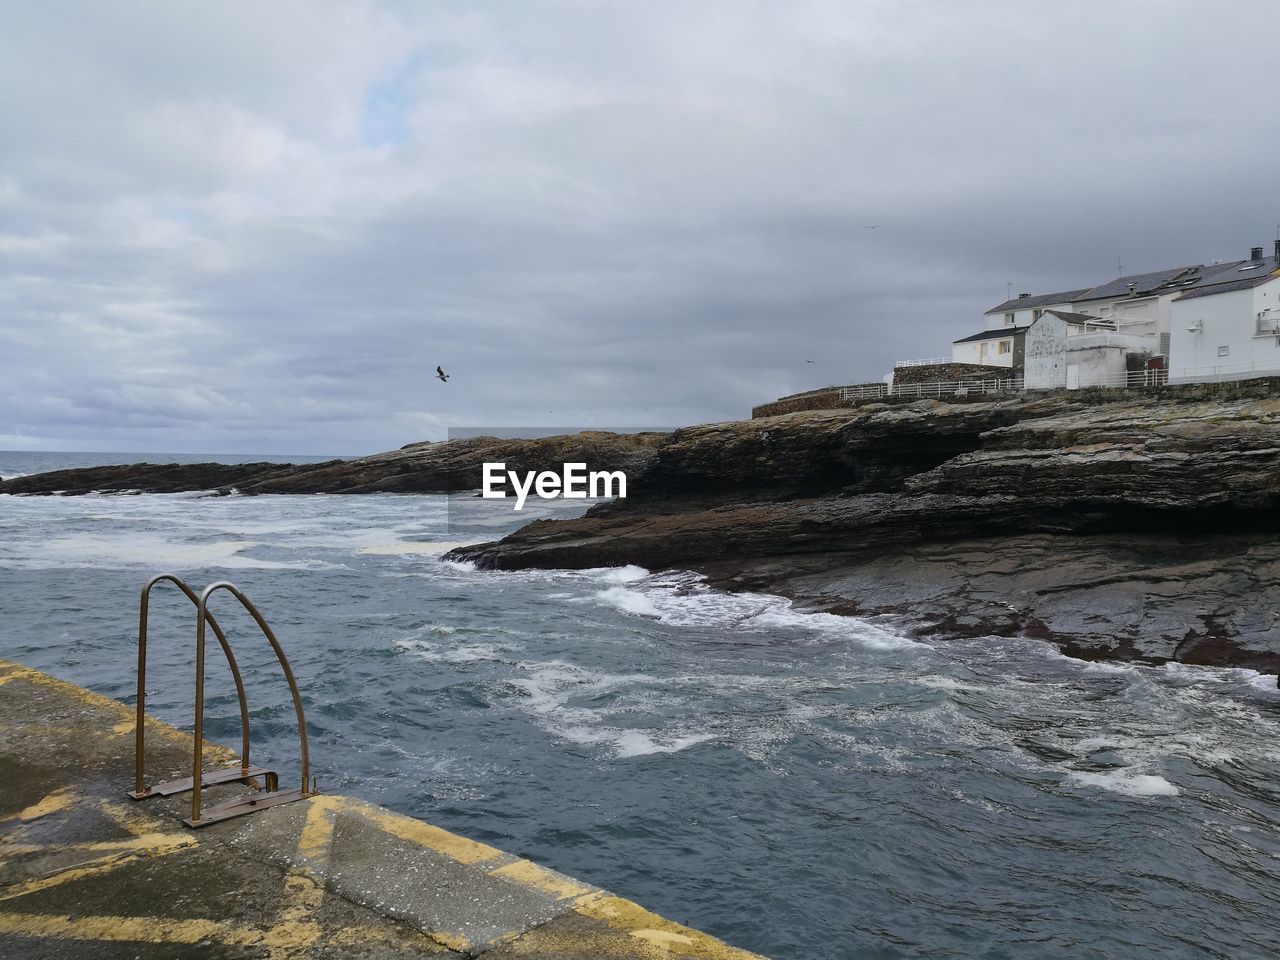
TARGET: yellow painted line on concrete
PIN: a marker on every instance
(414, 831)
(128, 817)
(60, 799)
(142, 842)
(316, 837)
(317, 830)
(16, 671)
(297, 929)
(169, 844)
(675, 939)
(163, 930)
(44, 729)
(110, 929)
(390, 933)
(529, 874)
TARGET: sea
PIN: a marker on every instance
(798, 784)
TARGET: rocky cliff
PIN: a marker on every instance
(1134, 526)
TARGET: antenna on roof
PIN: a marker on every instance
(1119, 267)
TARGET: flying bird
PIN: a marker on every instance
(811, 361)
(873, 226)
(441, 375)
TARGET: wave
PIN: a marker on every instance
(1129, 784)
(149, 551)
(684, 599)
(411, 547)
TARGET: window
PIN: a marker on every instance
(1002, 346)
(1008, 319)
(1223, 351)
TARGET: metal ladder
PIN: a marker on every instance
(244, 772)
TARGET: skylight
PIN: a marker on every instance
(1251, 266)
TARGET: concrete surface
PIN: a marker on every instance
(87, 873)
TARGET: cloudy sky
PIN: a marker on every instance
(245, 227)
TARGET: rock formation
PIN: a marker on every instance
(415, 468)
(1135, 527)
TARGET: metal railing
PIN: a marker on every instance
(865, 392)
(1225, 371)
(932, 361)
(932, 388)
(1123, 380)
(201, 778)
(231, 774)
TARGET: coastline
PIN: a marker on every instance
(1115, 526)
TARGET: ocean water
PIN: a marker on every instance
(802, 785)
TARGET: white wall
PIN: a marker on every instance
(1102, 365)
(1230, 321)
(965, 353)
(1044, 365)
(985, 352)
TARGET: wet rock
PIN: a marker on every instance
(1138, 528)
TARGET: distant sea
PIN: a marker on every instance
(803, 785)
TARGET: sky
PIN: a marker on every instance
(258, 228)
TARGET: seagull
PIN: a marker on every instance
(873, 226)
(441, 375)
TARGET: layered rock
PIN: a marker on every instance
(1135, 527)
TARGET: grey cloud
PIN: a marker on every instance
(589, 213)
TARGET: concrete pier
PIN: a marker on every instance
(87, 873)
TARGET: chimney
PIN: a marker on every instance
(1277, 251)
(1255, 253)
(1023, 296)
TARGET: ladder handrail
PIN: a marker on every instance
(202, 613)
(140, 731)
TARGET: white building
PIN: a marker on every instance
(1025, 309)
(1200, 320)
(1066, 350)
(990, 348)
(1228, 327)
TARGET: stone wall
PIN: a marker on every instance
(951, 373)
(828, 398)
